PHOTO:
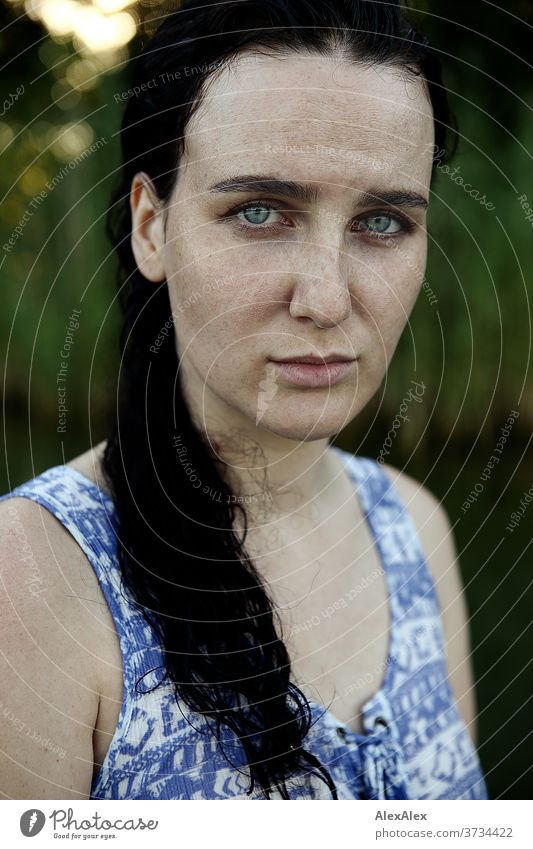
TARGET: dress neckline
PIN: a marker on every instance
(353, 466)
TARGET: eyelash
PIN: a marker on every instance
(407, 226)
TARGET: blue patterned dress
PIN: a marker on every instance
(415, 744)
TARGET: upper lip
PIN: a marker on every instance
(312, 358)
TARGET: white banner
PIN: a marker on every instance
(318, 823)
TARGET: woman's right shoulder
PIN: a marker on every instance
(53, 647)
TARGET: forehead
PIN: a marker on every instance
(322, 117)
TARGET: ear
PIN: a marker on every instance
(147, 234)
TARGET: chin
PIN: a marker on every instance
(299, 434)
(306, 422)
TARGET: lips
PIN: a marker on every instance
(314, 375)
(318, 361)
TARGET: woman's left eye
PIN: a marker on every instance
(257, 215)
(381, 224)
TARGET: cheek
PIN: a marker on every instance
(224, 327)
(391, 286)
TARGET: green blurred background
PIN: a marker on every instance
(468, 340)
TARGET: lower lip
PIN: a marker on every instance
(313, 374)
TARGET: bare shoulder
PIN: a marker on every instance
(436, 536)
(89, 464)
(431, 520)
(52, 656)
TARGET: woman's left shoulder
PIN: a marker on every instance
(436, 536)
(426, 510)
(435, 533)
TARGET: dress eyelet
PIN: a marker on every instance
(379, 720)
(341, 732)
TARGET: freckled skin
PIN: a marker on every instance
(250, 296)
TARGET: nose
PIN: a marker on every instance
(320, 288)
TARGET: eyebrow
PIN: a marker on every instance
(309, 193)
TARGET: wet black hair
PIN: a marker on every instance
(179, 553)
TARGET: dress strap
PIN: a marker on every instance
(411, 583)
(416, 633)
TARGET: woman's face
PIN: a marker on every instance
(331, 263)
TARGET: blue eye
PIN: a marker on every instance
(261, 217)
(258, 214)
(381, 223)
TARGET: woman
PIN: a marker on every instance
(290, 621)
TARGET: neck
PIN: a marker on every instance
(276, 477)
(273, 475)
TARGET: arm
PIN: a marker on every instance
(49, 696)
(436, 538)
